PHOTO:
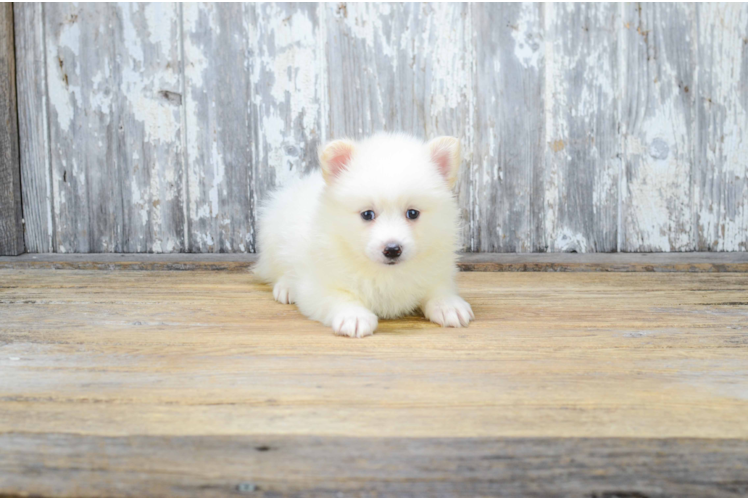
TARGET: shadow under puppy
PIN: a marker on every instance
(374, 236)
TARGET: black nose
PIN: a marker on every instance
(392, 251)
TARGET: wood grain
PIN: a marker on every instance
(720, 183)
(509, 147)
(286, 466)
(588, 128)
(658, 117)
(634, 355)
(583, 146)
(36, 182)
(198, 383)
(114, 128)
(148, 98)
(218, 134)
(11, 217)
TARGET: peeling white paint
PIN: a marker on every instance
(290, 101)
(527, 40)
(64, 96)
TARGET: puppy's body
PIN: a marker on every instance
(318, 251)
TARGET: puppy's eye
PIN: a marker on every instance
(412, 214)
(367, 215)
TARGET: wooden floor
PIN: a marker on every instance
(140, 383)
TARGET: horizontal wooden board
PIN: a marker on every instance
(624, 262)
(281, 466)
(639, 355)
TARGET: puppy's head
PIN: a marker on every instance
(388, 198)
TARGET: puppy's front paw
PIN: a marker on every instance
(354, 322)
(449, 311)
(282, 293)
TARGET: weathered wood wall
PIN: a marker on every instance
(585, 127)
(11, 222)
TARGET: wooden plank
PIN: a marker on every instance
(398, 67)
(115, 128)
(583, 142)
(83, 124)
(55, 465)
(218, 127)
(720, 183)
(36, 182)
(147, 95)
(288, 102)
(263, 119)
(11, 216)
(508, 169)
(559, 355)
(658, 125)
(733, 262)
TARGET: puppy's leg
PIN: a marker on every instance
(446, 308)
(282, 290)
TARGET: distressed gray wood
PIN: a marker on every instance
(289, 91)
(218, 133)
(586, 127)
(583, 146)
(148, 137)
(658, 120)
(402, 67)
(283, 466)
(509, 146)
(253, 111)
(720, 183)
(11, 217)
(33, 128)
(83, 120)
(113, 79)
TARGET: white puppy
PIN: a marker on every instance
(374, 235)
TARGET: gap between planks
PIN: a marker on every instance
(735, 262)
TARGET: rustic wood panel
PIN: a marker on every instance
(218, 133)
(254, 128)
(11, 217)
(720, 183)
(33, 128)
(58, 465)
(289, 91)
(148, 135)
(658, 127)
(508, 162)
(587, 128)
(83, 119)
(583, 142)
(113, 76)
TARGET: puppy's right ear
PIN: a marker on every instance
(335, 158)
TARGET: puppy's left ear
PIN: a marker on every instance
(335, 158)
(445, 154)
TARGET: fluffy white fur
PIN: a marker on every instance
(318, 252)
